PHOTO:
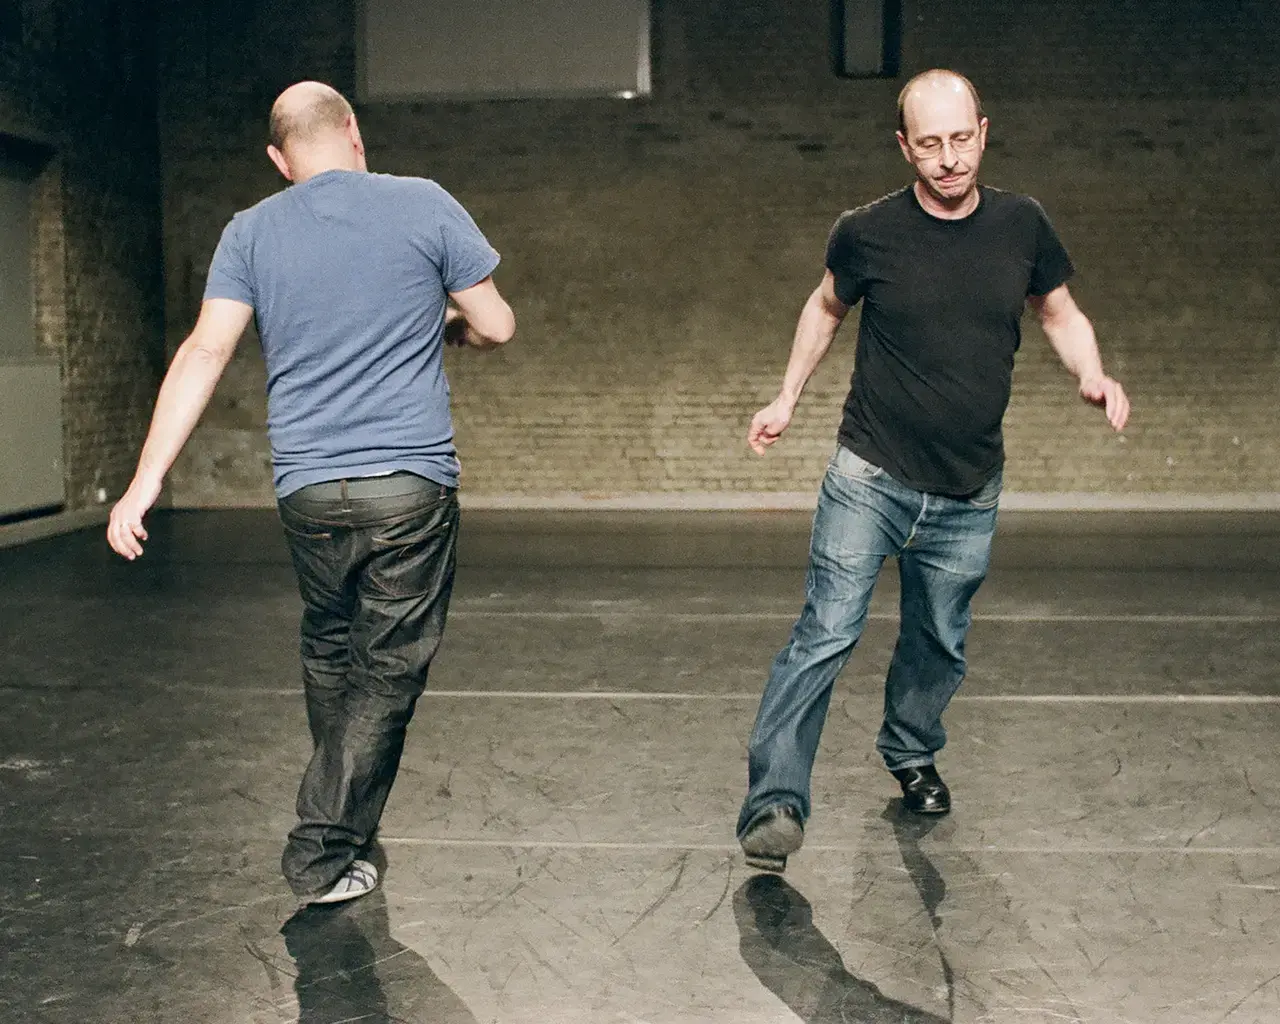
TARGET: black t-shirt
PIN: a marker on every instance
(941, 314)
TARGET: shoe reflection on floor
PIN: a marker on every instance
(350, 968)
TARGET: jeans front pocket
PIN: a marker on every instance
(849, 464)
(988, 495)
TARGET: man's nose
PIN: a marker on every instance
(949, 157)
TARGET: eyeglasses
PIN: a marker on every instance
(961, 142)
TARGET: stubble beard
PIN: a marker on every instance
(950, 199)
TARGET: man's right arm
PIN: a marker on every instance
(819, 320)
(482, 320)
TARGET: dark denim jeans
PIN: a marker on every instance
(375, 563)
(942, 546)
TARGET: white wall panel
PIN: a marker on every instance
(495, 48)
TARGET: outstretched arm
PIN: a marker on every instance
(819, 320)
(1071, 335)
(186, 391)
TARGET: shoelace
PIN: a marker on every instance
(359, 877)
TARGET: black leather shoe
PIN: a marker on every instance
(923, 791)
(773, 833)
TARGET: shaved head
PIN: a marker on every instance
(935, 83)
(306, 113)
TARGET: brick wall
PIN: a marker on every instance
(78, 79)
(657, 252)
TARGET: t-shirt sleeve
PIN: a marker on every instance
(844, 261)
(466, 257)
(1053, 266)
(229, 276)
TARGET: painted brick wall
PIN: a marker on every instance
(657, 252)
(80, 81)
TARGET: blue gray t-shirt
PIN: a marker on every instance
(348, 275)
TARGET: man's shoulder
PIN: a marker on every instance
(401, 182)
(886, 209)
(366, 187)
(405, 185)
(252, 218)
(367, 182)
(1015, 203)
(252, 214)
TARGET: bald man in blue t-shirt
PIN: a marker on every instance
(348, 276)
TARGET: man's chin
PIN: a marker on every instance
(953, 191)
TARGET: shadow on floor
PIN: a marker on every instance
(795, 961)
(351, 969)
(908, 830)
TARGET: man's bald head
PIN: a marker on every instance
(937, 81)
(306, 113)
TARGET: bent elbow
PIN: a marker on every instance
(503, 329)
(828, 305)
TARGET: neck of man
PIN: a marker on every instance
(946, 209)
(318, 161)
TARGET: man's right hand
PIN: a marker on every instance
(125, 530)
(455, 327)
(768, 424)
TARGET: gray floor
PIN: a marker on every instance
(559, 846)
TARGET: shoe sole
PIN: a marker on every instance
(767, 846)
(917, 809)
(763, 862)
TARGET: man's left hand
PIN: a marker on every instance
(1107, 393)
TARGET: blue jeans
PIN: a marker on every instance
(943, 547)
(375, 562)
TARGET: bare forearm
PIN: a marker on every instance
(186, 391)
(814, 333)
(459, 331)
(474, 339)
(480, 317)
(1076, 344)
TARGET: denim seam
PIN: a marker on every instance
(382, 544)
(924, 508)
(313, 520)
(405, 516)
(855, 477)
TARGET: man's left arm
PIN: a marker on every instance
(187, 388)
(1071, 335)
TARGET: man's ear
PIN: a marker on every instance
(282, 165)
(353, 133)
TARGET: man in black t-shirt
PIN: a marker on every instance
(944, 269)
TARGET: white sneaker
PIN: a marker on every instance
(358, 880)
